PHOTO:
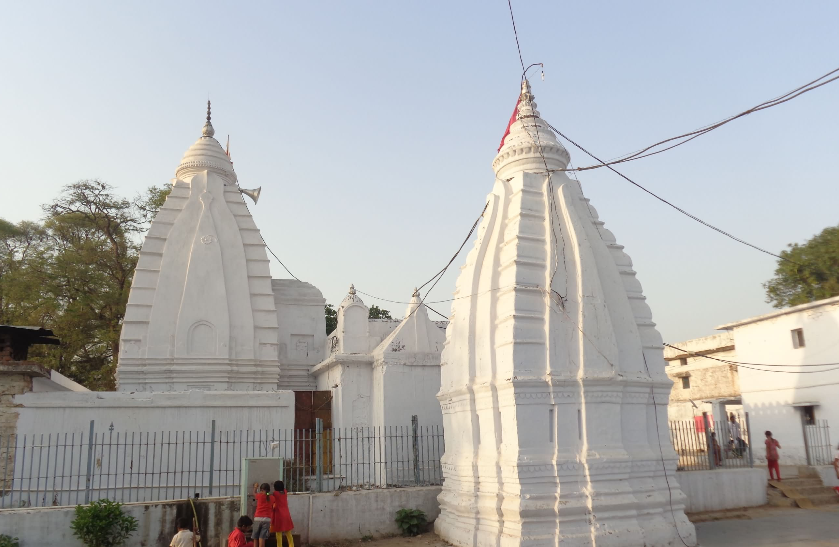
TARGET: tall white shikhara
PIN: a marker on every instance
(553, 390)
(201, 312)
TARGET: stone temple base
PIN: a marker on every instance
(197, 374)
(550, 520)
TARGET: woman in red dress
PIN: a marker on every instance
(280, 518)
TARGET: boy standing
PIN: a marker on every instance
(772, 446)
(184, 537)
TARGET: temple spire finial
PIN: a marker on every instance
(208, 130)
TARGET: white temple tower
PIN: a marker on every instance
(201, 312)
(553, 390)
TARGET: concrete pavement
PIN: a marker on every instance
(769, 527)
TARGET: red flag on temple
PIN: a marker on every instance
(512, 120)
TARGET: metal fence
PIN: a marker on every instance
(817, 443)
(704, 444)
(75, 468)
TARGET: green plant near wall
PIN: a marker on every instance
(412, 522)
(8, 541)
(103, 524)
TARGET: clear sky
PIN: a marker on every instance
(371, 126)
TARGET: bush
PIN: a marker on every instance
(103, 524)
(8, 541)
(412, 522)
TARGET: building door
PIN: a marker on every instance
(310, 406)
(817, 443)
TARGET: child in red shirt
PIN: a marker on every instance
(262, 515)
(281, 518)
(238, 537)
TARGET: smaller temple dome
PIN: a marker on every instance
(416, 301)
(351, 298)
(206, 155)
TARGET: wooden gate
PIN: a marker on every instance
(308, 407)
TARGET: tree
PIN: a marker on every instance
(331, 318)
(72, 274)
(810, 271)
(378, 313)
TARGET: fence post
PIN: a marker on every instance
(89, 479)
(318, 455)
(212, 453)
(749, 438)
(708, 442)
(415, 446)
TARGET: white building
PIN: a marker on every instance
(702, 380)
(553, 388)
(382, 372)
(783, 388)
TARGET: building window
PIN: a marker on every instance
(685, 382)
(683, 361)
(797, 338)
(809, 415)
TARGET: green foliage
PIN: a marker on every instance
(103, 524)
(378, 313)
(8, 541)
(412, 522)
(811, 271)
(331, 318)
(71, 273)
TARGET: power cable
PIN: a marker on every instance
(433, 301)
(810, 86)
(661, 199)
(515, 33)
(446, 267)
(266, 243)
(751, 366)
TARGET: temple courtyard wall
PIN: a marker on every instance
(339, 516)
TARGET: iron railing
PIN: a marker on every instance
(817, 443)
(76, 468)
(704, 444)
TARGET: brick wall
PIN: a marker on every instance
(11, 383)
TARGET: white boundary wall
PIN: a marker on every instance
(723, 489)
(348, 515)
(317, 517)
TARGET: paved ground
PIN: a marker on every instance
(768, 527)
(757, 527)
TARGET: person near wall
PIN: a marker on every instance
(736, 436)
(239, 536)
(262, 514)
(836, 463)
(184, 537)
(717, 450)
(772, 446)
(281, 522)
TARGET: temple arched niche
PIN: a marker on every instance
(201, 339)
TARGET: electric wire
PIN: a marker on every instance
(752, 366)
(266, 243)
(515, 33)
(810, 86)
(434, 301)
(446, 267)
(661, 199)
